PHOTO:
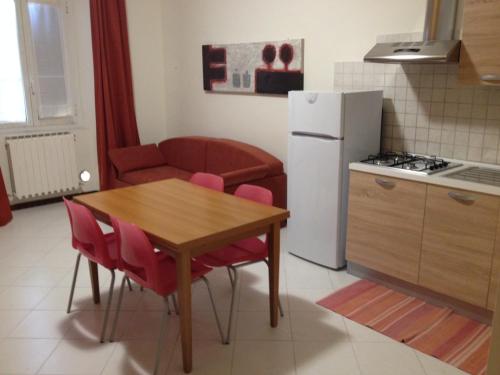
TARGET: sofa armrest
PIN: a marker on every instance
(239, 176)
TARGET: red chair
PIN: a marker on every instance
(154, 270)
(244, 252)
(208, 180)
(90, 241)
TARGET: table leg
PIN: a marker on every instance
(94, 280)
(183, 264)
(274, 272)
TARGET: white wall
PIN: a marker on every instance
(172, 32)
(334, 30)
(146, 38)
(145, 22)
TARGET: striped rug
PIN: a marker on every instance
(437, 331)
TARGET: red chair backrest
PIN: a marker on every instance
(73, 239)
(255, 193)
(87, 236)
(137, 256)
(208, 180)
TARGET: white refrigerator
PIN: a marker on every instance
(326, 131)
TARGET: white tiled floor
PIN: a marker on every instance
(38, 337)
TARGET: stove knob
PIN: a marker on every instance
(445, 163)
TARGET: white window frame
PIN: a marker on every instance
(29, 69)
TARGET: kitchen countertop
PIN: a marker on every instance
(438, 178)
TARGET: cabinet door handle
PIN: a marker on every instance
(385, 183)
(462, 198)
(491, 79)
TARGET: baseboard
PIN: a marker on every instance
(42, 202)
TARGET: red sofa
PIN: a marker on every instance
(236, 162)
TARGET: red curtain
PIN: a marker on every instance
(5, 213)
(114, 97)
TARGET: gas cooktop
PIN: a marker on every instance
(410, 162)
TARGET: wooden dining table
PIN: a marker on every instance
(187, 220)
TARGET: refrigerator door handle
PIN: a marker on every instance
(317, 135)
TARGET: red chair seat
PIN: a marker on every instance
(112, 248)
(254, 246)
(167, 283)
(230, 255)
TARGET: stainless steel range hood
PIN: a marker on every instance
(438, 45)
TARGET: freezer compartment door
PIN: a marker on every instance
(314, 183)
(315, 113)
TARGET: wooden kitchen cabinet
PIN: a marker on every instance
(480, 50)
(458, 243)
(495, 273)
(385, 224)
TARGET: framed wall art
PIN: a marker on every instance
(254, 68)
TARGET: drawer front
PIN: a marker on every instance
(385, 224)
(458, 243)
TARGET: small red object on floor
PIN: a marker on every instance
(5, 212)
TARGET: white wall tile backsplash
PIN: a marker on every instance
(426, 111)
(406, 37)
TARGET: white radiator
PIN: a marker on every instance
(42, 165)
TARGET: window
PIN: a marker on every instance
(35, 80)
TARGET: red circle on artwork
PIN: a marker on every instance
(269, 54)
(286, 54)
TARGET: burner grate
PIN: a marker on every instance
(409, 162)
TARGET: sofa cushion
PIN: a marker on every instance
(154, 174)
(224, 155)
(128, 159)
(186, 153)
